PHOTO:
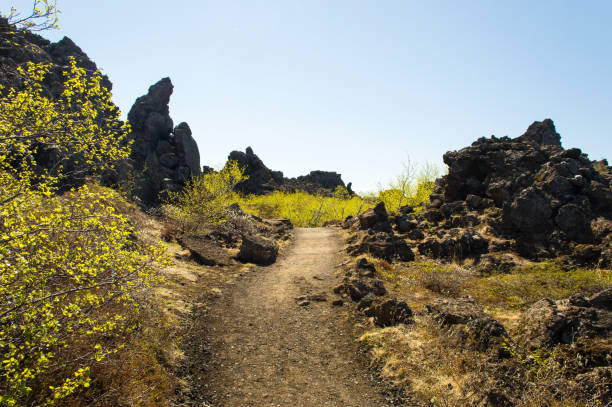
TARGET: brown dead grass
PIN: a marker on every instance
(419, 360)
(415, 360)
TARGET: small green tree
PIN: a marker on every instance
(205, 199)
(411, 186)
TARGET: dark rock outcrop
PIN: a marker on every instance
(261, 178)
(375, 236)
(457, 244)
(163, 158)
(19, 47)
(359, 288)
(376, 219)
(389, 312)
(382, 245)
(527, 196)
(317, 183)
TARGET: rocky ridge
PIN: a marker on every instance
(19, 47)
(504, 202)
(263, 180)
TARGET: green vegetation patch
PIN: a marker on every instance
(304, 209)
(528, 284)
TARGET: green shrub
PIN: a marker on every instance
(205, 199)
(304, 209)
(411, 187)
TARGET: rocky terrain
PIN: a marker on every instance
(504, 203)
(18, 47)
(502, 200)
(163, 156)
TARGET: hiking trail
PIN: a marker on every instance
(266, 349)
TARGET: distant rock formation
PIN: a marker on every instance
(163, 157)
(261, 178)
(317, 182)
(264, 180)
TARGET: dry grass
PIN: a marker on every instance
(420, 360)
(415, 360)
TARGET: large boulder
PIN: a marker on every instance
(375, 218)
(204, 250)
(258, 250)
(547, 322)
(389, 312)
(360, 288)
(468, 324)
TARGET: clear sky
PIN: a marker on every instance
(356, 86)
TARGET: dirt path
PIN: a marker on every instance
(266, 350)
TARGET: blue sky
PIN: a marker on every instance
(356, 86)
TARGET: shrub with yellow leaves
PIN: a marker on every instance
(205, 199)
(412, 186)
(70, 266)
(304, 209)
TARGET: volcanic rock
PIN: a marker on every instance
(258, 250)
(389, 312)
(382, 245)
(577, 318)
(544, 201)
(261, 179)
(163, 158)
(264, 180)
(467, 322)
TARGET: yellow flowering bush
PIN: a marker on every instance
(70, 265)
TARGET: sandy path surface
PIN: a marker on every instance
(267, 350)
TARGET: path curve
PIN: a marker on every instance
(266, 350)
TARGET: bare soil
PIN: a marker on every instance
(262, 345)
